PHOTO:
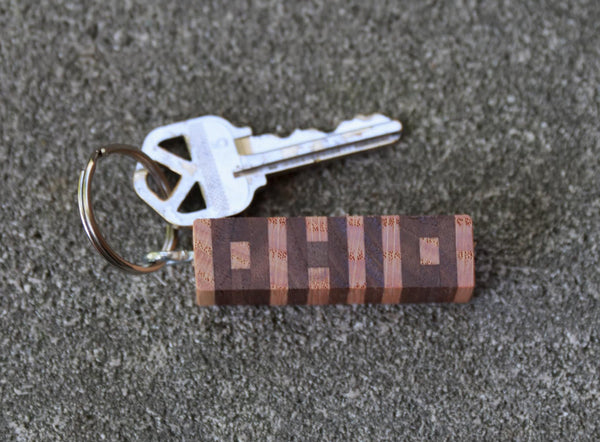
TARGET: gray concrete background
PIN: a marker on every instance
(501, 104)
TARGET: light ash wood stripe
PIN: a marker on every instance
(465, 258)
(357, 273)
(203, 263)
(278, 260)
(316, 229)
(429, 251)
(392, 259)
(318, 285)
(240, 255)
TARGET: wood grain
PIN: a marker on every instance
(331, 260)
(392, 259)
(203, 263)
(357, 272)
(278, 260)
(465, 258)
(240, 255)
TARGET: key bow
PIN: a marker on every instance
(211, 144)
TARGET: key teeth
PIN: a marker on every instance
(362, 120)
(271, 142)
(371, 119)
(311, 132)
(346, 125)
(258, 144)
(373, 116)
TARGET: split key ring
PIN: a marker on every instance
(86, 212)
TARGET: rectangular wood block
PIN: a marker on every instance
(332, 260)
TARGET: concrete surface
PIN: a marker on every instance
(501, 106)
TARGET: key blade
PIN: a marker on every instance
(357, 135)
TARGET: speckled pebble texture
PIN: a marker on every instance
(500, 102)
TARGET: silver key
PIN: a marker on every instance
(230, 164)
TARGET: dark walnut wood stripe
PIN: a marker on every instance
(319, 282)
(297, 261)
(235, 282)
(321, 260)
(373, 260)
(431, 277)
(338, 260)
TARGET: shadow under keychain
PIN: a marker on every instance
(279, 261)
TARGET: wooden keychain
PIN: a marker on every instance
(278, 261)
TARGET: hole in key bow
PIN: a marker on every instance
(193, 201)
(172, 178)
(177, 146)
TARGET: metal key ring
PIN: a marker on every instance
(86, 212)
